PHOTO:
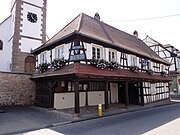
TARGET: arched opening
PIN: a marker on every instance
(1, 45)
(30, 62)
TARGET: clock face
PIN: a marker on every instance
(32, 17)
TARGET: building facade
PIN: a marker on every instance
(22, 31)
(90, 62)
(171, 55)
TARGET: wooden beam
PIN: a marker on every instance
(106, 96)
(76, 89)
(141, 93)
(87, 94)
(126, 94)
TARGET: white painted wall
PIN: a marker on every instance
(28, 28)
(13, 20)
(6, 53)
(35, 2)
(63, 100)
(66, 100)
(95, 98)
(114, 92)
(28, 44)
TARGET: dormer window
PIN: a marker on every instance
(60, 52)
(43, 57)
(162, 67)
(96, 52)
(133, 60)
(112, 55)
(1, 45)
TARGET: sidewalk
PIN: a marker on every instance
(91, 112)
(24, 119)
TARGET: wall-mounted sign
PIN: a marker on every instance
(144, 62)
(77, 57)
(77, 53)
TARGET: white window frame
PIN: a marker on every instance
(43, 58)
(162, 67)
(110, 53)
(133, 60)
(150, 65)
(96, 48)
(58, 52)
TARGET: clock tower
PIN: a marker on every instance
(28, 31)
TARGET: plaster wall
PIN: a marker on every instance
(6, 52)
(95, 98)
(35, 2)
(27, 44)
(28, 28)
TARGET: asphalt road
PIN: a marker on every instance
(156, 121)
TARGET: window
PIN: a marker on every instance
(162, 67)
(1, 45)
(111, 56)
(96, 52)
(150, 65)
(43, 57)
(60, 52)
(133, 60)
(178, 63)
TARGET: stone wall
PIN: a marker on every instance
(16, 89)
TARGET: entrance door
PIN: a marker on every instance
(133, 93)
(114, 92)
(121, 92)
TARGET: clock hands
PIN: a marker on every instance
(32, 17)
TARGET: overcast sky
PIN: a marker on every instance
(117, 13)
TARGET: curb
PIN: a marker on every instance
(124, 112)
(61, 123)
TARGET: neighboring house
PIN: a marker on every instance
(94, 63)
(171, 55)
(23, 30)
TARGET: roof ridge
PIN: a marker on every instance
(80, 21)
(105, 31)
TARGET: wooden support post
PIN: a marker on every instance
(141, 93)
(87, 94)
(126, 94)
(106, 96)
(76, 89)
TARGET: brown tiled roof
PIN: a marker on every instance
(95, 30)
(87, 70)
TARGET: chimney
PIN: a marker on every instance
(96, 16)
(135, 33)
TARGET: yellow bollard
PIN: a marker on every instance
(100, 110)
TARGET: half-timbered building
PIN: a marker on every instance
(89, 62)
(171, 55)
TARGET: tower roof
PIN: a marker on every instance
(96, 31)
